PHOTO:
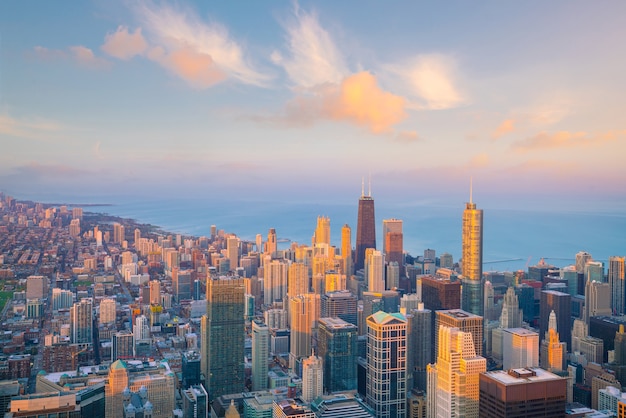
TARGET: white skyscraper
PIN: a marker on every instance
(376, 272)
(312, 378)
(260, 355)
(521, 348)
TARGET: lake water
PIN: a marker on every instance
(513, 238)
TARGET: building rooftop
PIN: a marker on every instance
(522, 376)
(458, 313)
(336, 323)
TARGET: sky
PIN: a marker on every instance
(302, 100)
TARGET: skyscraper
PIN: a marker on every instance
(472, 258)
(616, 281)
(386, 364)
(365, 229)
(274, 280)
(260, 355)
(337, 346)
(341, 304)
(107, 311)
(454, 380)
(305, 312)
(322, 231)
(464, 321)
(312, 378)
(419, 345)
(81, 322)
(553, 351)
(346, 250)
(521, 348)
(375, 272)
(560, 303)
(223, 337)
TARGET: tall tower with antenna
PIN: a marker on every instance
(366, 226)
(472, 261)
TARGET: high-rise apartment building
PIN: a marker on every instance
(453, 382)
(582, 258)
(521, 393)
(223, 335)
(155, 292)
(275, 273)
(616, 281)
(119, 233)
(107, 311)
(304, 311)
(123, 346)
(597, 300)
(312, 378)
(36, 287)
(62, 299)
(232, 251)
(260, 355)
(386, 387)
(271, 245)
(366, 228)
(337, 346)
(298, 279)
(81, 322)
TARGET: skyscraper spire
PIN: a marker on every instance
(362, 186)
(369, 185)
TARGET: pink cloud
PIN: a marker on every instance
(357, 99)
(85, 56)
(123, 44)
(198, 69)
(505, 127)
(566, 139)
(408, 136)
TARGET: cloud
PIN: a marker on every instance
(79, 54)
(312, 58)
(357, 100)
(86, 57)
(197, 69)
(195, 50)
(408, 136)
(123, 44)
(505, 127)
(566, 139)
(32, 128)
(49, 54)
(479, 161)
(431, 79)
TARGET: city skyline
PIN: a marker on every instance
(120, 99)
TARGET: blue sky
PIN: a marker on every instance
(299, 100)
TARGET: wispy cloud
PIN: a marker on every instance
(430, 80)
(504, 128)
(87, 58)
(312, 57)
(566, 139)
(29, 128)
(194, 49)
(79, 54)
(123, 44)
(357, 100)
(408, 136)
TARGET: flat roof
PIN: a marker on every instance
(531, 374)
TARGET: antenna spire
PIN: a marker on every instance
(470, 190)
(369, 185)
(362, 186)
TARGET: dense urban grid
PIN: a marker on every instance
(106, 317)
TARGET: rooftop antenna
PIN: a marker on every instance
(369, 185)
(362, 186)
(470, 190)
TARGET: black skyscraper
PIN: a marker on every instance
(365, 230)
